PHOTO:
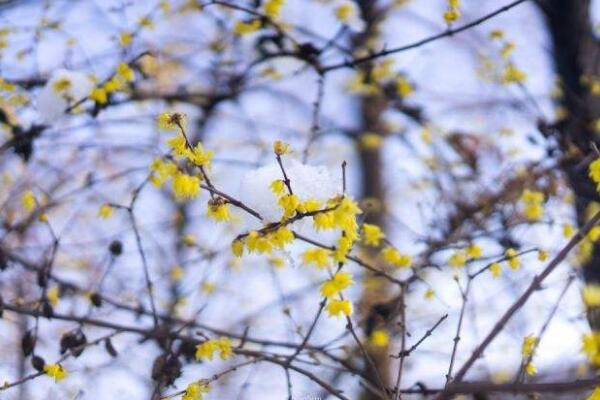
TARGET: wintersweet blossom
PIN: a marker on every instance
(372, 234)
(63, 89)
(339, 307)
(56, 371)
(195, 391)
(335, 285)
(318, 257)
(206, 350)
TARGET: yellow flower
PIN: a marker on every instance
(206, 350)
(162, 171)
(429, 293)
(53, 295)
(595, 395)
(310, 205)
(208, 287)
(343, 247)
(278, 187)
(237, 248)
(528, 347)
(186, 186)
(543, 255)
(451, 15)
(371, 141)
(403, 87)
(281, 237)
(458, 259)
(372, 234)
(199, 156)
(324, 221)
(379, 338)
(61, 85)
(242, 28)
(280, 148)
(394, 257)
(218, 209)
(337, 307)
(474, 251)
(532, 204)
(496, 34)
(125, 38)
(273, 8)
(594, 233)
(289, 203)
(512, 258)
(339, 282)
(257, 243)
(55, 371)
(568, 230)
(512, 74)
(189, 240)
(171, 120)
(320, 258)
(105, 211)
(195, 391)
(496, 269)
(530, 369)
(344, 12)
(125, 72)
(594, 171)
(176, 273)
(112, 85)
(590, 295)
(99, 95)
(28, 200)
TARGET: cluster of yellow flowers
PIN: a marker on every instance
(184, 186)
(528, 350)
(333, 287)
(533, 207)
(207, 349)
(117, 82)
(460, 257)
(370, 83)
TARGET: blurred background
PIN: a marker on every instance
(464, 146)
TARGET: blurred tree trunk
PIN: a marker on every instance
(576, 54)
(376, 290)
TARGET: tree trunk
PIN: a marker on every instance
(576, 54)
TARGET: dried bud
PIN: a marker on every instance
(116, 248)
(96, 299)
(3, 261)
(47, 310)
(42, 278)
(74, 341)
(166, 369)
(28, 343)
(38, 363)
(188, 349)
(110, 349)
